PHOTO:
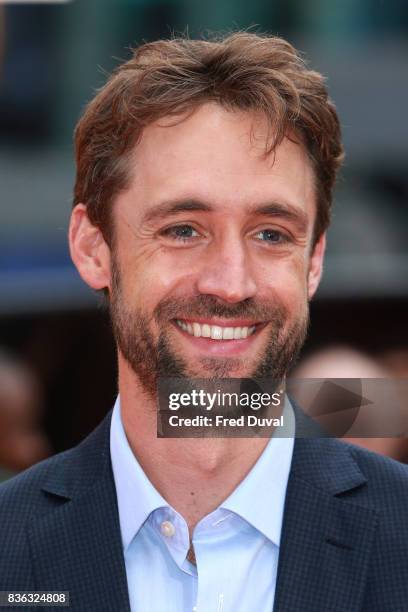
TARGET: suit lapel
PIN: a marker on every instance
(76, 546)
(326, 538)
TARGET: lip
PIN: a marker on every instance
(225, 348)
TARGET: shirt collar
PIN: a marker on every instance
(137, 497)
(259, 498)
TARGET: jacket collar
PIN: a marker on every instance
(79, 468)
(322, 461)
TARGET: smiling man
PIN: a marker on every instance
(205, 172)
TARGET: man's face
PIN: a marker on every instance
(213, 266)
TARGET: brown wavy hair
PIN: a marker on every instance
(243, 70)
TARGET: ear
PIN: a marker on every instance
(88, 249)
(316, 266)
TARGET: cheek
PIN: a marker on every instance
(150, 277)
(288, 279)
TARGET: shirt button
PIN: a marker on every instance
(167, 529)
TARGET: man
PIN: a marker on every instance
(205, 172)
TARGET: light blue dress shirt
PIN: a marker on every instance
(236, 546)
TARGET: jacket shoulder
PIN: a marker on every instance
(21, 498)
(387, 492)
(60, 476)
(38, 492)
(387, 478)
(20, 495)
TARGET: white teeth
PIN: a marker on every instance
(228, 333)
(205, 331)
(197, 330)
(237, 333)
(215, 332)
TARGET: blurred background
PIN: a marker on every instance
(53, 333)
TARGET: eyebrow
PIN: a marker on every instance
(170, 208)
(292, 213)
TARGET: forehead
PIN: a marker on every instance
(218, 155)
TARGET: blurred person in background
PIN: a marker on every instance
(345, 362)
(396, 362)
(205, 176)
(22, 442)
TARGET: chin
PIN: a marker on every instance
(221, 368)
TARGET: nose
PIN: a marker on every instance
(226, 271)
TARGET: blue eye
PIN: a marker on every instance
(272, 236)
(180, 232)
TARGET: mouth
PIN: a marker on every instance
(221, 332)
(220, 338)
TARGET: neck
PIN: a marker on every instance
(194, 475)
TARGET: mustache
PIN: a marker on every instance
(211, 306)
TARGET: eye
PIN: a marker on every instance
(181, 233)
(272, 236)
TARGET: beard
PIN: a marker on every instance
(151, 359)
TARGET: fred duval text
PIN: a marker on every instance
(221, 421)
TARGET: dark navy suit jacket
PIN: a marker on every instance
(344, 544)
